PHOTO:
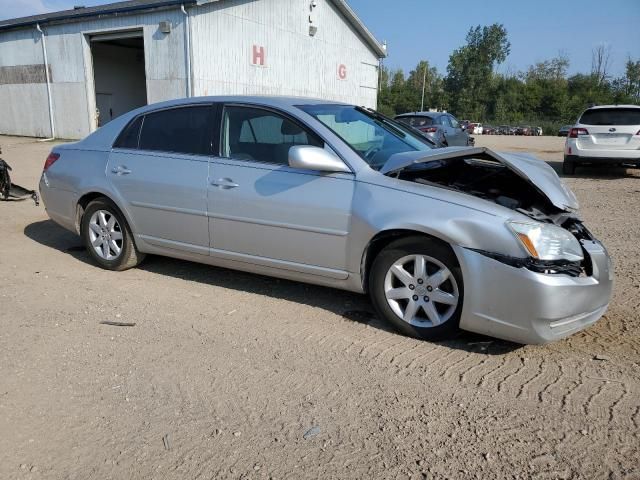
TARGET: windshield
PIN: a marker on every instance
(371, 135)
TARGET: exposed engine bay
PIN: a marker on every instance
(488, 179)
(484, 177)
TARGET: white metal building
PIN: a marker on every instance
(104, 61)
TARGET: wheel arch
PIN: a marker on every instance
(92, 195)
(382, 239)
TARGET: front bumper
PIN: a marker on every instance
(522, 306)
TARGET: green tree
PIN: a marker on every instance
(541, 95)
(433, 85)
(470, 69)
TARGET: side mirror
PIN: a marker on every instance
(463, 127)
(315, 158)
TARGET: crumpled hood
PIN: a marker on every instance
(537, 172)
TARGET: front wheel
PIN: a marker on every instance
(107, 236)
(416, 286)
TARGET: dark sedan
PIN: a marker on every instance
(564, 131)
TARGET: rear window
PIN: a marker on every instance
(611, 116)
(178, 130)
(416, 121)
(129, 136)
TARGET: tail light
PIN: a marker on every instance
(51, 159)
(575, 132)
(429, 129)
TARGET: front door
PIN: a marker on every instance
(162, 177)
(263, 211)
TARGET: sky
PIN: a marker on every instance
(429, 30)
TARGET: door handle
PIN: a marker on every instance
(224, 183)
(121, 170)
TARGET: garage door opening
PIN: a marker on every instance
(119, 74)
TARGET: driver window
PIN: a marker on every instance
(454, 122)
(262, 135)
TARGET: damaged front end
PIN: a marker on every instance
(518, 182)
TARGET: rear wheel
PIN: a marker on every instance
(108, 237)
(568, 167)
(416, 286)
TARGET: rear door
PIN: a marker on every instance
(160, 168)
(264, 212)
(610, 129)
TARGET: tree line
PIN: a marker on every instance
(543, 95)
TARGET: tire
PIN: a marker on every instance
(100, 218)
(568, 167)
(384, 283)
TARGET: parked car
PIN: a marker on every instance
(503, 130)
(564, 130)
(488, 130)
(442, 127)
(523, 130)
(537, 131)
(475, 128)
(337, 195)
(604, 135)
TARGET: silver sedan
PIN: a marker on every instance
(337, 195)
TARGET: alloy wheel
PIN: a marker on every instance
(421, 291)
(105, 235)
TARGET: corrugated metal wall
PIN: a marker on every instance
(25, 107)
(225, 33)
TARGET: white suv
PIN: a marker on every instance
(607, 134)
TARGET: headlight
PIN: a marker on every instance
(547, 242)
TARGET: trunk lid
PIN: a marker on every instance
(610, 128)
(535, 171)
(609, 138)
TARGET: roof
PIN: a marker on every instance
(281, 101)
(132, 6)
(360, 27)
(128, 6)
(596, 107)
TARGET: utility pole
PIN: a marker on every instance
(424, 82)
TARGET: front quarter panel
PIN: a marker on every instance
(391, 204)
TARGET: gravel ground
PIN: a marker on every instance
(232, 375)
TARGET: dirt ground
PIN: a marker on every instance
(232, 375)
